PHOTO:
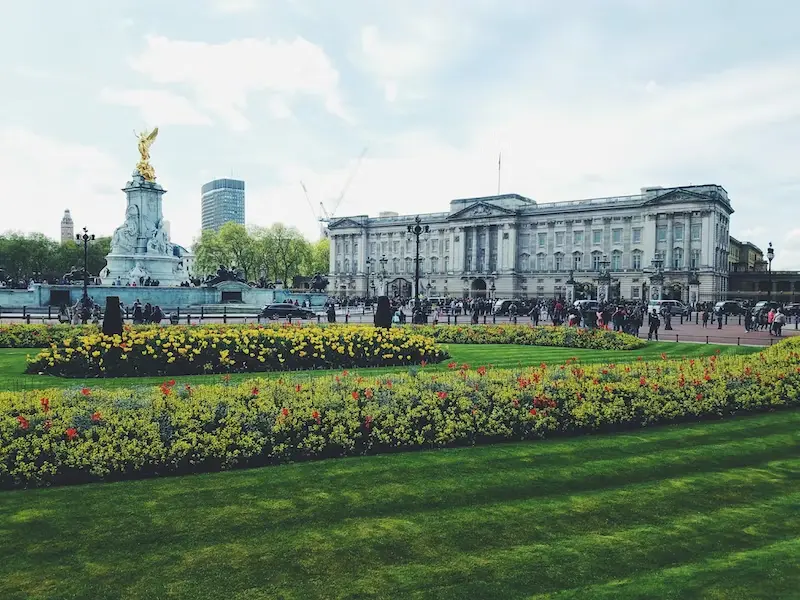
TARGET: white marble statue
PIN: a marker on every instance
(159, 242)
(124, 240)
(137, 272)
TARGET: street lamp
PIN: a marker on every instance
(85, 238)
(417, 230)
(658, 278)
(382, 274)
(770, 256)
(603, 279)
(370, 261)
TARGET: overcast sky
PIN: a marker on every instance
(584, 98)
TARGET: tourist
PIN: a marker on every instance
(331, 313)
(383, 313)
(63, 314)
(156, 315)
(654, 323)
(771, 320)
(112, 322)
(748, 321)
(705, 317)
(778, 321)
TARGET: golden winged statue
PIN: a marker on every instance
(146, 140)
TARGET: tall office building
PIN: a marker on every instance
(222, 202)
(67, 227)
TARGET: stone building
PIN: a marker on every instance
(510, 246)
(745, 256)
(67, 227)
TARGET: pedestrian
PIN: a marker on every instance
(705, 317)
(654, 323)
(719, 319)
(778, 322)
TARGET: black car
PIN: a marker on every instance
(286, 310)
(792, 309)
(729, 307)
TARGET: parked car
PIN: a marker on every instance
(729, 307)
(286, 310)
(675, 308)
(791, 309)
(765, 305)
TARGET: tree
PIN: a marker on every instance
(320, 257)
(23, 257)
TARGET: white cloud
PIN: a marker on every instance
(554, 150)
(234, 6)
(157, 107)
(223, 76)
(45, 176)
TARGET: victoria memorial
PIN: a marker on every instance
(509, 246)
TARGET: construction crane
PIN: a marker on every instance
(330, 215)
(324, 216)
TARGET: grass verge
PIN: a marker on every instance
(13, 377)
(693, 511)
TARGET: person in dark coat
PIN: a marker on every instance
(654, 323)
(112, 321)
(331, 313)
(383, 313)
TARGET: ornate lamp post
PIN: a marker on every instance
(770, 256)
(382, 273)
(370, 261)
(492, 290)
(85, 238)
(417, 230)
(603, 280)
(657, 280)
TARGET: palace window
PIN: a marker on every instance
(596, 258)
(597, 237)
(661, 233)
(577, 261)
(635, 289)
(559, 262)
(695, 259)
(636, 262)
(677, 232)
(541, 261)
(559, 238)
(616, 260)
(697, 229)
(434, 265)
(346, 265)
(616, 236)
(542, 239)
(409, 265)
(577, 238)
(636, 235)
(446, 264)
(677, 258)
(523, 262)
(395, 265)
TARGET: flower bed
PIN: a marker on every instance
(82, 435)
(528, 335)
(195, 350)
(44, 336)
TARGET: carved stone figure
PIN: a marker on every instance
(146, 140)
(159, 242)
(319, 283)
(124, 239)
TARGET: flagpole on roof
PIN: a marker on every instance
(499, 169)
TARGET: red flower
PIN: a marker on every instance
(442, 395)
(345, 372)
(96, 417)
(45, 404)
(423, 364)
(368, 422)
(285, 412)
(337, 379)
(638, 358)
(481, 371)
(165, 389)
(171, 383)
(452, 365)
(315, 416)
(515, 402)
(642, 381)
(188, 388)
(71, 433)
(368, 393)
(355, 395)
(254, 392)
(532, 411)
(298, 388)
(595, 381)
(663, 356)
(48, 424)
(226, 378)
(23, 422)
(465, 367)
(543, 366)
(86, 391)
(699, 396)
(605, 371)
(607, 388)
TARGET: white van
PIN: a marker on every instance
(675, 308)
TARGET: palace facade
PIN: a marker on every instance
(510, 246)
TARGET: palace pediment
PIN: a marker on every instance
(481, 210)
(678, 196)
(345, 223)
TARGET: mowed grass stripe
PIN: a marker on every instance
(491, 522)
(723, 575)
(13, 364)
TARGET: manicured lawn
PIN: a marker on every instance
(12, 362)
(706, 510)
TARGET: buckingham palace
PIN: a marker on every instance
(507, 246)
